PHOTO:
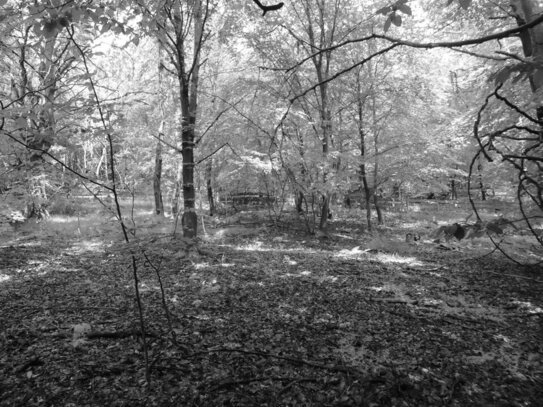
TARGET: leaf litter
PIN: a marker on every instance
(268, 318)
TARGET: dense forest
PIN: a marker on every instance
(244, 202)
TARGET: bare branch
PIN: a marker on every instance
(428, 45)
(216, 151)
(265, 9)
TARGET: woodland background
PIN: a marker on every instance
(272, 195)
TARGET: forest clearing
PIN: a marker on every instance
(261, 203)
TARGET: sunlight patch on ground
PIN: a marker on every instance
(289, 261)
(258, 246)
(303, 273)
(4, 278)
(61, 219)
(89, 245)
(529, 307)
(200, 266)
(34, 268)
(387, 258)
(144, 287)
(414, 225)
(350, 253)
(28, 243)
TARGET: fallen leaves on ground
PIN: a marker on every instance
(267, 319)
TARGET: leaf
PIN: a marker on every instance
(384, 11)
(396, 19)
(50, 28)
(494, 227)
(387, 23)
(404, 8)
(502, 75)
(515, 72)
(520, 77)
(464, 3)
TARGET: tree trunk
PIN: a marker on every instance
(159, 204)
(42, 137)
(532, 40)
(299, 200)
(209, 186)
(157, 178)
(481, 184)
(377, 208)
(320, 35)
(362, 137)
(325, 213)
(454, 195)
(326, 123)
(376, 163)
(188, 95)
(367, 200)
(177, 193)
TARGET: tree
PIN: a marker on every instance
(180, 28)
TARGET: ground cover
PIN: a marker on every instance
(267, 315)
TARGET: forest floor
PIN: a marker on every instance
(266, 316)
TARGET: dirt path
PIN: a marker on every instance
(268, 319)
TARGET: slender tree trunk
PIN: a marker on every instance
(376, 164)
(189, 219)
(481, 184)
(299, 194)
(367, 198)
(377, 205)
(364, 178)
(362, 137)
(326, 124)
(159, 204)
(103, 161)
(157, 178)
(177, 192)
(209, 186)
(325, 211)
(299, 201)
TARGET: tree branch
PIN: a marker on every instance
(265, 9)
(428, 45)
(453, 45)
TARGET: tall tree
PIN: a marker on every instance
(180, 27)
(317, 26)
